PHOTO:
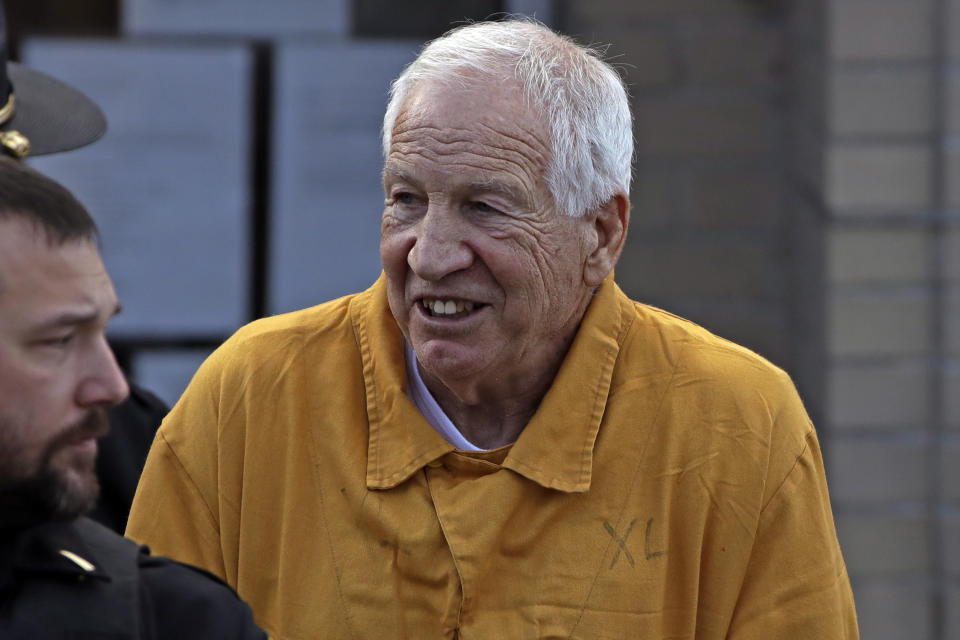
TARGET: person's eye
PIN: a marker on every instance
(482, 207)
(57, 341)
(405, 199)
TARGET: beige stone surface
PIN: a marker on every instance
(881, 397)
(873, 470)
(885, 545)
(883, 101)
(878, 179)
(878, 324)
(863, 254)
(880, 29)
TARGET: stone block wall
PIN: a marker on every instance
(798, 191)
(708, 229)
(879, 198)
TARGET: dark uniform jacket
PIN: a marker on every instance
(122, 452)
(80, 580)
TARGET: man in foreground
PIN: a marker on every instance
(43, 116)
(63, 575)
(493, 441)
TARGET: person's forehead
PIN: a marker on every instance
(478, 128)
(473, 103)
(37, 273)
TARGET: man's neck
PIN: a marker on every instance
(490, 419)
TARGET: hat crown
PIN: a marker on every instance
(48, 115)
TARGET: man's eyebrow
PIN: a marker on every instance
(72, 318)
(397, 174)
(503, 189)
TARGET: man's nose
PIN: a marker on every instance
(441, 246)
(103, 382)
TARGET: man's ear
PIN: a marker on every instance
(610, 222)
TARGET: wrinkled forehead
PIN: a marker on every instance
(480, 127)
(473, 103)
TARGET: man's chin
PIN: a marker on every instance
(53, 493)
(64, 483)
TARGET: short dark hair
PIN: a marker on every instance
(51, 208)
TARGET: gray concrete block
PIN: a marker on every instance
(950, 534)
(657, 200)
(167, 373)
(325, 251)
(746, 198)
(700, 125)
(878, 324)
(951, 320)
(878, 396)
(953, 41)
(880, 101)
(810, 159)
(646, 58)
(869, 255)
(951, 254)
(236, 17)
(950, 469)
(617, 12)
(752, 53)
(874, 470)
(327, 190)
(880, 29)
(888, 610)
(670, 265)
(810, 98)
(883, 545)
(952, 177)
(952, 611)
(542, 10)
(878, 178)
(952, 88)
(951, 398)
(168, 184)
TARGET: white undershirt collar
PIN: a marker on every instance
(418, 393)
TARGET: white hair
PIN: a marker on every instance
(582, 98)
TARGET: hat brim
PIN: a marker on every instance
(52, 115)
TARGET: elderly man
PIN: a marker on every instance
(493, 441)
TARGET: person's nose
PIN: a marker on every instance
(441, 246)
(103, 383)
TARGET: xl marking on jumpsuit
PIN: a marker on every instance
(622, 543)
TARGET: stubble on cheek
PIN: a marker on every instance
(62, 481)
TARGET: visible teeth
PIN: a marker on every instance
(448, 307)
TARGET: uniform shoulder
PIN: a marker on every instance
(182, 599)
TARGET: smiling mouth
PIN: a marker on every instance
(440, 308)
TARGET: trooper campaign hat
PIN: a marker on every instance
(38, 113)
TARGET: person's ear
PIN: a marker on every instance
(610, 222)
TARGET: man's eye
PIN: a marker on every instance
(482, 207)
(57, 341)
(405, 198)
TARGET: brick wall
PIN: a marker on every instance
(708, 230)
(798, 190)
(877, 194)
